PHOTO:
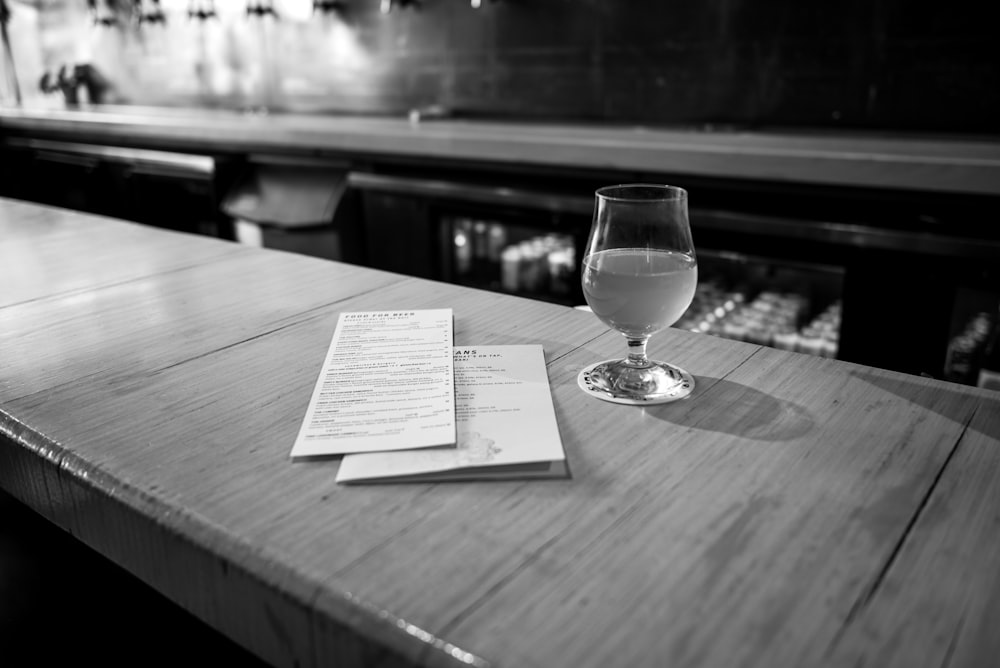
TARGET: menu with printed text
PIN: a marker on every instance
(386, 384)
(506, 426)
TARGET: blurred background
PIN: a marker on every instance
(865, 64)
(899, 273)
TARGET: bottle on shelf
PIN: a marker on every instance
(771, 318)
(463, 246)
(965, 350)
(510, 268)
(989, 363)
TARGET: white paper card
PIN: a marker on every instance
(506, 425)
(386, 384)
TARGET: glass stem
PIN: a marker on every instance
(637, 352)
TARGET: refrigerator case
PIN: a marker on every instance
(869, 277)
(777, 303)
(516, 258)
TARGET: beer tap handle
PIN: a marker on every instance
(386, 5)
(109, 18)
(327, 6)
(261, 8)
(153, 15)
(201, 10)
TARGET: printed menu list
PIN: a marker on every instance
(386, 384)
(506, 426)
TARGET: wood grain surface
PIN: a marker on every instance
(794, 511)
(924, 163)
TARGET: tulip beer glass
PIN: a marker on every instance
(639, 276)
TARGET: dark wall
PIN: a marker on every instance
(880, 64)
(872, 64)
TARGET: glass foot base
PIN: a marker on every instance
(613, 381)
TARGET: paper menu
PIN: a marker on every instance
(506, 425)
(386, 383)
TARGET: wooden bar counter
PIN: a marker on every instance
(969, 165)
(795, 511)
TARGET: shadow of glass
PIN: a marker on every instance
(950, 401)
(724, 406)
